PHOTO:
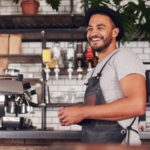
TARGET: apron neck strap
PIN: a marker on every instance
(99, 74)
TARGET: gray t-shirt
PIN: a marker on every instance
(123, 63)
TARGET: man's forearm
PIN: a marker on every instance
(118, 110)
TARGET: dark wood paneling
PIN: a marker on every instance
(57, 27)
(23, 58)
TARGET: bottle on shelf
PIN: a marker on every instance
(46, 58)
(56, 50)
(70, 59)
(79, 59)
(95, 60)
(52, 63)
(89, 57)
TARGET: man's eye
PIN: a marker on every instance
(88, 29)
(100, 27)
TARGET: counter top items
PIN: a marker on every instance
(16, 98)
(12, 72)
(16, 123)
(7, 87)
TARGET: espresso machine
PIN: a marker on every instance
(13, 101)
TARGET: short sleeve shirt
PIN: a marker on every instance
(121, 64)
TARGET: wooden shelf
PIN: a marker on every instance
(37, 59)
(57, 27)
(28, 22)
(32, 80)
(23, 58)
(58, 105)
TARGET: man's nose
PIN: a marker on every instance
(94, 32)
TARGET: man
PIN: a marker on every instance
(121, 84)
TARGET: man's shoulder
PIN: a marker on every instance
(127, 62)
(125, 52)
(126, 55)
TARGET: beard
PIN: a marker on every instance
(106, 42)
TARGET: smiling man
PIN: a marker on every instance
(100, 42)
(116, 92)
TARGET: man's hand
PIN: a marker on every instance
(70, 115)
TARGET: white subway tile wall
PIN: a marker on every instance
(9, 7)
(65, 90)
(62, 90)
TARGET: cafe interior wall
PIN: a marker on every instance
(62, 90)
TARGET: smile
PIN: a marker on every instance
(95, 39)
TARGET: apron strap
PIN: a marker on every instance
(129, 128)
(99, 74)
(131, 123)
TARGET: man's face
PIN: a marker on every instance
(99, 32)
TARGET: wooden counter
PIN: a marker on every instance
(42, 138)
(76, 147)
(38, 138)
(58, 135)
(37, 134)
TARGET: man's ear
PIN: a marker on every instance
(115, 32)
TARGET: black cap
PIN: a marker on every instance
(109, 12)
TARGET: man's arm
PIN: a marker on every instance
(133, 104)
